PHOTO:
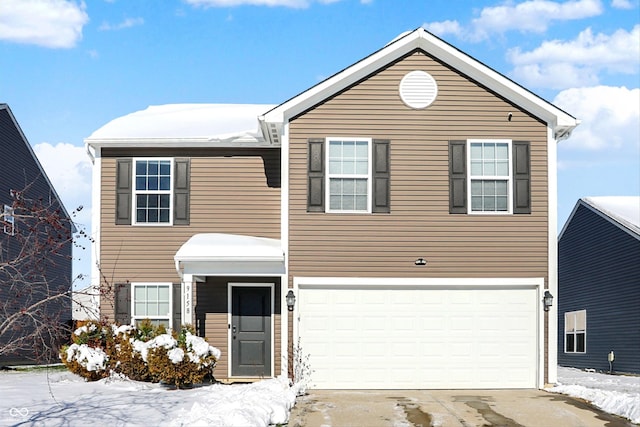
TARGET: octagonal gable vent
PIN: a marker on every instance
(418, 89)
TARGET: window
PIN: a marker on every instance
(575, 331)
(349, 175)
(152, 301)
(8, 220)
(490, 176)
(153, 191)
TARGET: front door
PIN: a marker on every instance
(251, 331)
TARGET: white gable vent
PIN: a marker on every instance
(418, 89)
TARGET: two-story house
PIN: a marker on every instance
(396, 221)
(35, 254)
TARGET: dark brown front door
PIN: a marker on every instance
(250, 331)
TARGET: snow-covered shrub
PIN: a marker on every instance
(143, 353)
(186, 359)
(86, 361)
(127, 355)
(88, 356)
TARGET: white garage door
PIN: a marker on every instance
(404, 338)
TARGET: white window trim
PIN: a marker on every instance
(9, 221)
(369, 175)
(135, 192)
(509, 180)
(574, 313)
(135, 318)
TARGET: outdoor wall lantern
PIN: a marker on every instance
(421, 261)
(547, 300)
(291, 300)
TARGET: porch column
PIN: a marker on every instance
(187, 299)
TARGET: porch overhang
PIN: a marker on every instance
(218, 254)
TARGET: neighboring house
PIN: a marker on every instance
(47, 270)
(599, 285)
(85, 304)
(408, 203)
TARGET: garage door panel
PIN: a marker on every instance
(419, 338)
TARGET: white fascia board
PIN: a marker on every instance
(561, 122)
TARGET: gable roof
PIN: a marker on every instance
(4, 108)
(621, 211)
(184, 124)
(561, 122)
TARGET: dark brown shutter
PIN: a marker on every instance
(123, 191)
(176, 323)
(521, 178)
(315, 175)
(123, 304)
(181, 191)
(457, 177)
(381, 176)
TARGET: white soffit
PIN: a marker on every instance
(233, 254)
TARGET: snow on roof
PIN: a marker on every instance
(623, 209)
(186, 121)
(228, 254)
(219, 246)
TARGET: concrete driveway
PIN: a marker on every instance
(446, 408)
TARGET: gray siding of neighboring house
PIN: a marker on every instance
(599, 271)
(20, 169)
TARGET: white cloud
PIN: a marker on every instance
(622, 4)
(533, 16)
(610, 117)
(443, 28)
(47, 23)
(127, 23)
(560, 64)
(69, 169)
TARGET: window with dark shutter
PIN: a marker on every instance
(181, 192)
(457, 177)
(521, 177)
(123, 191)
(381, 176)
(315, 176)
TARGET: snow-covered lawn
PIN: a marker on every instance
(58, 398)
(616, 394)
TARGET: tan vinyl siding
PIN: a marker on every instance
(419, 225)
(234, 192)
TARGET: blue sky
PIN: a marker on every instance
(68, 67)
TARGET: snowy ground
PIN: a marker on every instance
(616, 394)
(63, 399)
(58, 398)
